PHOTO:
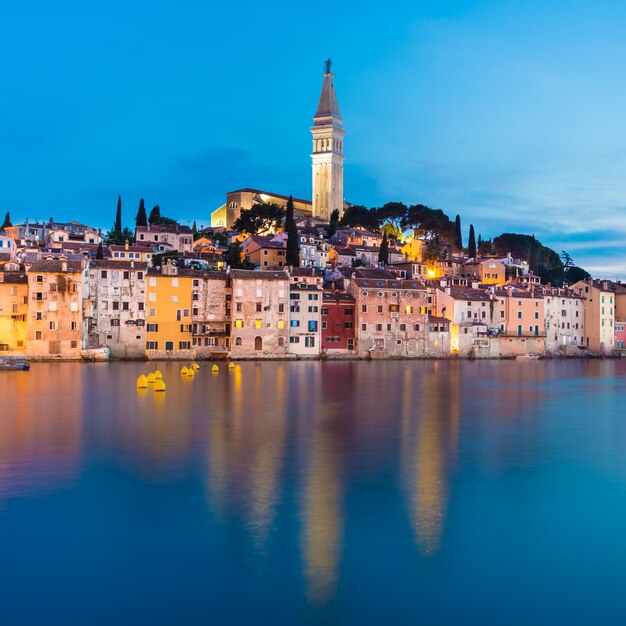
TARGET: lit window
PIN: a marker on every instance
(238, 323)
(258, 323)
(281, 324)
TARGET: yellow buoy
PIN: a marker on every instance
(183, 371)
(196, 367)
(158, 375)
(159, 385)
(150, 378)
(215, 369)
(142, 382)
(231, 366)
(190, 373)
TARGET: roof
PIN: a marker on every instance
(328, 105)
(467, 293)
(164, 228)
(269, 193)
(307, 271)
(55, 266)
(187, 272)
(338, 296)
(266, 241)
(393, 283)
(14, 278)
(365, 272)
(96, 264)
(434, 318)
(258, 275)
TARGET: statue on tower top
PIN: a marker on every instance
(327, 65)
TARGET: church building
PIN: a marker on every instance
(327, 164)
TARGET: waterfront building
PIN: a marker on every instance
(488, 271)
(55, 324)
(620, 335)
(305, 303)
(13, 309)
(599, 302)
(565, 319)
(338, 318)
(259, 312)
(116, 308)
(327, 157)
(165, 238)
(168, 319)
(265, 251)
(210, 313)
(521, 311)
(391, 317)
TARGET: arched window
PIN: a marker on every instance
(233, 205)
(238, 341)
(258, 343)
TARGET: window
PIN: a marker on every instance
(364, 308)
(185, 328)
(39, 278)
(536, 315)
(258, 323)
(403, 327)
(379, 327)
(183, 345)
(38, 335)
(281, 324)
(312, 326)
(258, 343)
(140, 306)
(363, 327)
(259, 307)
(519, 315)
(380, 308)
(324, 325)
(313, 296)
(295, 323)
(238, 323)
(350, 344)
(115, 322)
(152, 312)
(126, 276)
(153, 328)
(281, 308)
(294, 339)
(116, 306)
(347, 324)
(238, 341)
(52, 325)
(152, 281)
(139, 275)
(152, 345)
(348, 311)
(313, 309)
(103, 274)
(408, 310)
(309, 342)
(416, 327)
(169, 346)
(73, 325)
(152, 297)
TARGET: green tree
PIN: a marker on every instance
(333, 225)
(141, 219)
(128, 234)
(533, 256)
(7, 221)
(471, 243)
(575, 273)
(155, 215)
(391, 216)
(261, 219)
(358, 216)
(428, 223)
(293, 244)
(383, 253)
(458, 234)
(566, 260)
(117, 226)
(194, 229)
(100, 252)
(234, 257)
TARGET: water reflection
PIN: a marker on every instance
(40, 433)
(430, 431)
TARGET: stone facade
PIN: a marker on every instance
(210, 314)
(260, 314)
(13, 312)
(599, 299)
(116, 308)
(163, 238)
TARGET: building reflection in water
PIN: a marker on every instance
(246, 438)
(327, 434)
(40, 433)
(430, 429)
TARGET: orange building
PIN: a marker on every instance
(264, 252)
(13, 311)
(168, 319)
(55, 318)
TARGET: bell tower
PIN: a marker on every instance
(327, 157)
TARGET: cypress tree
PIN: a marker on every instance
(100, 252)
(142, 218)
(333, 225)
(479, 243)
(194, 230)
(471, 243)
(533, 256)
(458, 235)
(383, 253)
(117, 227)
(7, 221)
(293, 249)
(155, 215)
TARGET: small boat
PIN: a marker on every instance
(14, 364)
(528, 357)
(96, 354)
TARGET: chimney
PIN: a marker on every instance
(64, 265)
(125, 244)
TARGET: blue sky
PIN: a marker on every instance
(509, 113)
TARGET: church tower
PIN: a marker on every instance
(327, 154)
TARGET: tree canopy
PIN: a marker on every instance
(292, 254)
(261, 219)
(141, 219)
(358, 216)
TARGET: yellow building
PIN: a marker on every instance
(55, 320)
(13, 312)
(168, 319)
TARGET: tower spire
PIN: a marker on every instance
(327, 154)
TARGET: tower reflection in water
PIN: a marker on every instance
(430, 431)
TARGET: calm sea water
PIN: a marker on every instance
(315, 493)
